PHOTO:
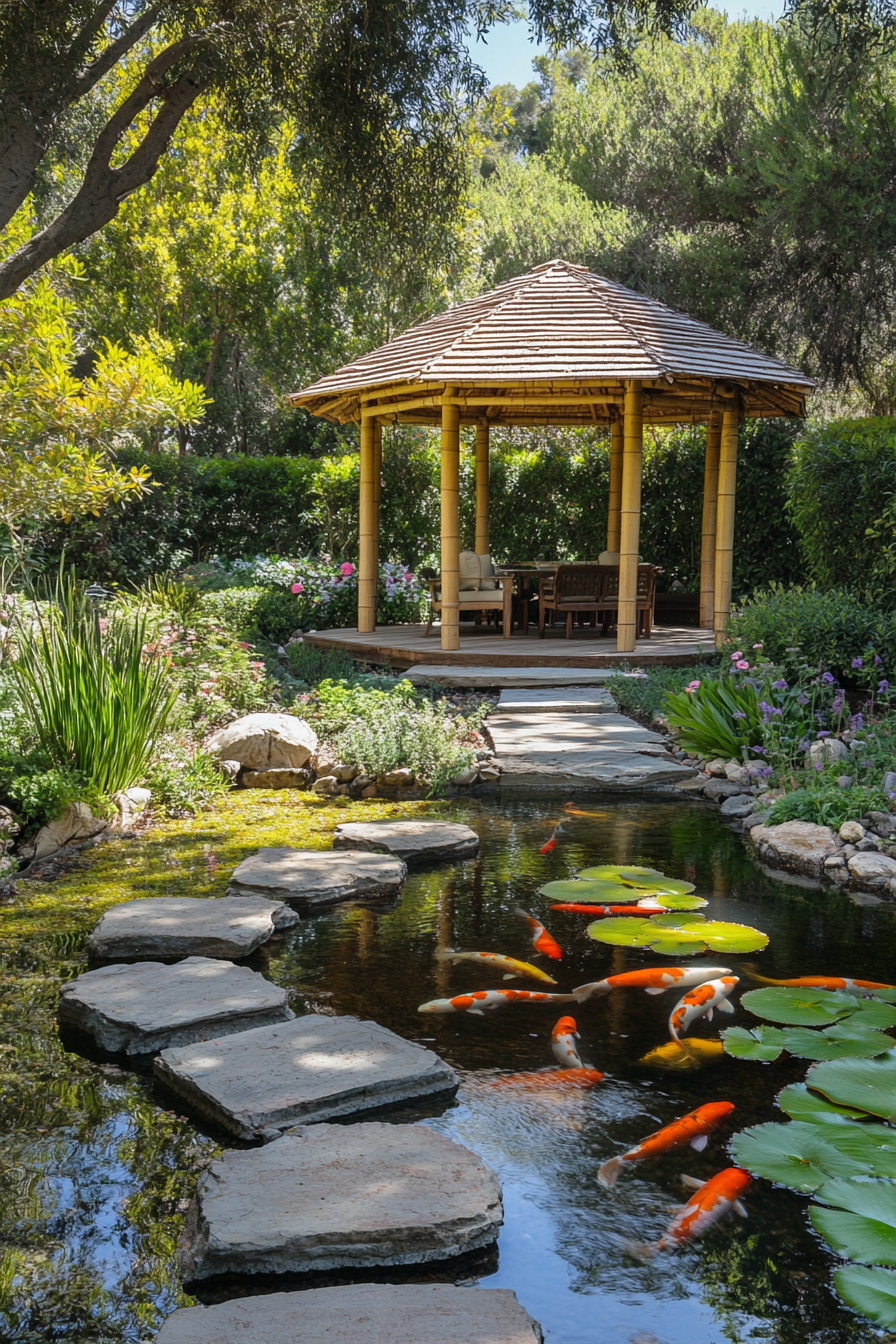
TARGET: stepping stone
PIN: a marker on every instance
(340, 1195)
(554, 700)
(312, 1068)
(570, 751)
(313, 878)
(364, 1313)
(446, 674)
(137, 1010)
(170, 927)
(412, 841)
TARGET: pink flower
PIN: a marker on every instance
(346, 568)
(692, 686)
(742, 666)
(757, 646)
(738, 654)
(102, 625)
(296, 588)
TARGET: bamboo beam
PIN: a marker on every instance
(367, 519)
(710, 504)
(377, 490)
(614, 519)
(482, 483)
(630, 518)
(725, 523)
(450, 559)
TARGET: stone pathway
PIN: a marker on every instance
(412, 841)
(444, 674)
(139, 1009)
(542, 748)
(338, 1196)
(365, 1313)
(313, 879)
(167, 928)
(557, 700)
(313, 1068)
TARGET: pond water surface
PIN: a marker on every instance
(97, 1164)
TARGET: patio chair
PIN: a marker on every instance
(594, 589)
(481, 591)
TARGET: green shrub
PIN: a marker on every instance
(644, 694)
(827, 629)
(35, 789)
(183, 782)
(234, 609)
(212, 671)
(312, 665)
(394, 732)
(829, 805)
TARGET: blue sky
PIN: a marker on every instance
(506, 55)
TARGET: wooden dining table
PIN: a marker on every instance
(523, 575)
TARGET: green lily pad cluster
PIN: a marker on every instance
(853, 1027)
(609, 885)
(677, 935)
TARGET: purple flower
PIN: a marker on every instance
(856, 721)
(866, 765)
(760, 751)
(765, 771)
(877, 661)
(827, 678)
(824, 733)
(779, 685)
(738, 714)
(818, 765)
(856, 662)
(883, 686)
(802, 698)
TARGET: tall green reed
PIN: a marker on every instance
(96, 700)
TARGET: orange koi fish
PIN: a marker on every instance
(510, 965)
(482, 1001)
(715, 1198)
(653, 979)
(826, 982)
(648, 906)
(552, 843)
(551, 1078)
(700, 1002)
(562, 1044)
(541, 939)
(692, 1129)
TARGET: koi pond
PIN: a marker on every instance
(98, 1165)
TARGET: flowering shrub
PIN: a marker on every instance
(214, 672)
(397, 732)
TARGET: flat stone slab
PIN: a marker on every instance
(139, 1009)
(310, 1069)
(340, 1195)
(798, 846)
(556, 700)
(314, 878)
(412, 841)
(364, 1313)
(422, 674)
(608, 750)
(169, 927)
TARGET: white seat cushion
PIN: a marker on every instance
(487, 578)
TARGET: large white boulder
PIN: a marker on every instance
(266, 742)
(800, 846)
(872, 870)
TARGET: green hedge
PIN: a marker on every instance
(829, 629)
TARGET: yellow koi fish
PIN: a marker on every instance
(509, 965)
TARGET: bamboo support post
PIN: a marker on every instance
(630, 518)
(450, 559)
(725, 523)
(377, 491)
(710, 506)
(367, 550)
(482, 501)
(613, 517)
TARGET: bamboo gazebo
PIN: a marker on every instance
(560, 346)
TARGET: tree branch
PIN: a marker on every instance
(111, 55)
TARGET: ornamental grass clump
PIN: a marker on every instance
(96, 701)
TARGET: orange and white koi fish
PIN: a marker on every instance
(700, 1002)
(826, 982)
(552, 843)
(648, 906)
(715, 1198)
(509, 965)
(541, 939)
(692, 1129)
(482, 1001)
(653, 979)
(551, 1078)
(563, 1039)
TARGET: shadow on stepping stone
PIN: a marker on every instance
(336, 1196)
(312, 879)
(167, 928)
(140, 1009)
(313, 1068)
(416, 842)
(369, 1313)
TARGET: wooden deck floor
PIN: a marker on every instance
(404, 645)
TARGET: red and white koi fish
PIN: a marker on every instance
(563, 1039)
(648, 906)
(482, 1001)
(692, 1129)
(826, 982)
(510, 965)
(653, 980)
(715, 1198)
(552, 843)
(541, 939)
(551, 1078)
(700, 1002)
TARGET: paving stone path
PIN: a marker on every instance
(167, 928)
(445, 674)
(412, 841)
(542, 748)
(312, 879)
(337, 1196)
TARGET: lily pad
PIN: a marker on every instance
(675, 902)
(593, 893)
(873, 1013)
(645, 879)
(867, 1084)
(798, 1155)
(862, 1224)
(800, 1007)
(869, 1290)
(677, 935)
(764, 1043)
(847, 1039)
(612, 872)
(801, 1104)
